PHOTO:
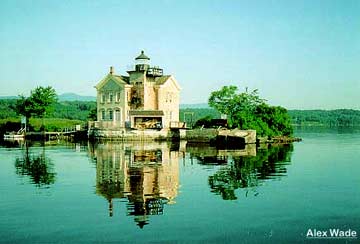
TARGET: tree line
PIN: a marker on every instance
(42, 111)
(72, 110)
(82, 110)
(337, 117)
(245, 110)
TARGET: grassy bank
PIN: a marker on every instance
(36, 124)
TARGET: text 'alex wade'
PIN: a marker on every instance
(331, 233)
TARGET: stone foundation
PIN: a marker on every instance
(193, 136)
(135, 135)
(221, 136)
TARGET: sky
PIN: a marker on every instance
(298, 54)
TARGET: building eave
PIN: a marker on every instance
(117, 79)
(146, 113)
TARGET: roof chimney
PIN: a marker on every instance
(111, 70)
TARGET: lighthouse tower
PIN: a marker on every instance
(142, 62)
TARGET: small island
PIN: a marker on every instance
(144, 105)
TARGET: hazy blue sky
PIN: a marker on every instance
(299, 54)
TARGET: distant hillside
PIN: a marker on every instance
(336, 117)
(195, 105)
(75, 97)
(63, 97)
(8, 97)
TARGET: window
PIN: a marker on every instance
(118, 97)
(103, 98)
(110, 97)
(103, 115)
(110, 115)
(117, 115)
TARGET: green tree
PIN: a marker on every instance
(246, 110)
(276, 118)
(42, 100)
(239, 107)
(39, 103)
(23, 106)
(93, 114)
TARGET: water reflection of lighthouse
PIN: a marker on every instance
(146, 174)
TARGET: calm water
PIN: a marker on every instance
(160, 192)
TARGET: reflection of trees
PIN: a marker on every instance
(249, 172)
(37, 166)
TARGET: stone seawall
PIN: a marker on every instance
(248, 136)
(129, 135)
(201, 135)
(221, 136)
(136, 135)
(193, 136)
